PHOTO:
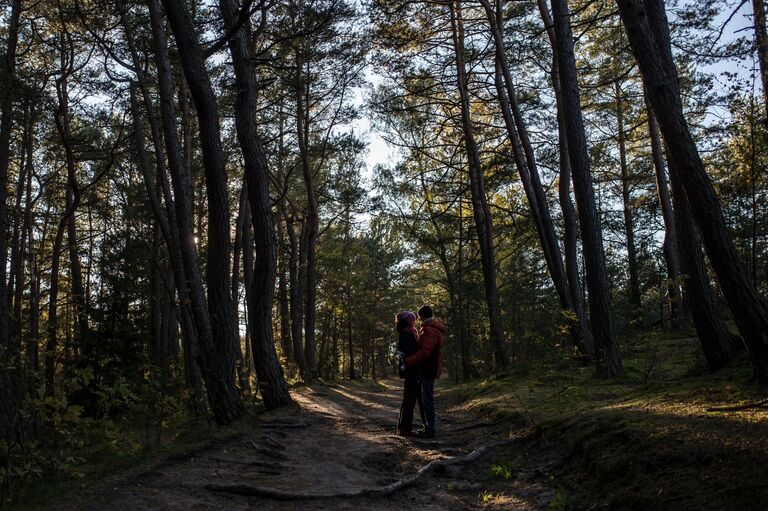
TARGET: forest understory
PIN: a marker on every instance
(560, 439)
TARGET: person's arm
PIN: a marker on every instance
(426, 347)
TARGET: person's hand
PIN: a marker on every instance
(401, 359)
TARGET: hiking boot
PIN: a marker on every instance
(406, 433)
(423, 433)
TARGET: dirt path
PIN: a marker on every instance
(341, 440)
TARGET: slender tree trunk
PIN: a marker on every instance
(156, 301)
(62, 121)
(215, 357)
(286, 342)
(352, 374)
(166, 217)
(170, 232)
(626, 198)
(525, 161)
(282, 292)
(648, 31)
(242, 222)
(570, 221)
(671, 243)
(296, 299)
(10, 418)
(32, 348)
(313, 218)
(248, 277)
(607, 355)
(480, 207)
(272, 385)
(18, 249)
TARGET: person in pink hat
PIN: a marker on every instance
(408, 345)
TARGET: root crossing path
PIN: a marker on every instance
(340, 450)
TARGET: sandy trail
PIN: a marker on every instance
(342, 439)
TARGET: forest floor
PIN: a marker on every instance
(645, 441)
(340, 439)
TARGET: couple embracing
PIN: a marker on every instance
(421, 362)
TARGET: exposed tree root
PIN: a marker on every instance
(268, 452)
(283, 425)
(272, 443)
(376, 491)
(747, 406)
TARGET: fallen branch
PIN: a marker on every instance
(747, 406)
(375, 491)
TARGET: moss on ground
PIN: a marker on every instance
(644, 440)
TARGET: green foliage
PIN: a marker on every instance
(486, 497)
(503, 471)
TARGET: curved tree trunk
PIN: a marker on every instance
(10, 418)
(272, 385)
(648, 31)
(313, 219)
(671, 243)
(216, 358)
(570, 221)
(626, 199)
(607, 354)
(480, 207)
(525, 161)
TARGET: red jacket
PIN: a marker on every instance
(430, 355)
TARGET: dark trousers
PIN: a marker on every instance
(411, 396)
(428, 398)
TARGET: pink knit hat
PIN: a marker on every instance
(406, 316)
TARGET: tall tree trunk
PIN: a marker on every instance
(480, 207)
(32, 348)
(242, 222)
(170, 231)
(166, 216)
(570, 221)
(63, 127)
(671, 243)
(626, 199)
(525, 161)
(607, 354)
(283, 249)
(272, 385)
(18, 249)
(215, 357)
(648, 31)
(10, 418)
(313, 218)
(282, 291)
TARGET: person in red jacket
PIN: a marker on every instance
(429, 360)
